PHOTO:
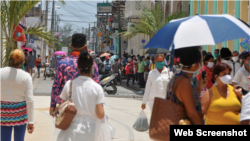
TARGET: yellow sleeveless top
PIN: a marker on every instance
(153, 66)
(223, 111)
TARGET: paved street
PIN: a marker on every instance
(122, 113)
(43, 87)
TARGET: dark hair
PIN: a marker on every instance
(78, 40)
(236, 52)
(208, 57)
(85, 62)
(217, 50)
(209, 53)
(204, 53)
(225, 53)
(148, 58)
(189, 56)
(219, 68)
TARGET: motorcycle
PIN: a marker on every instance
(108, 84)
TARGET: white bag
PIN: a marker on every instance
(141, 124)
(111, 128)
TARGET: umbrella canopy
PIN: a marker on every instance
(60, 53)
(156, 51)
(29, 49)
(105, 54)
(32, 46)
(112, 58)
(245, 44)
(199, 30)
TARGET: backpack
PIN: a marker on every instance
(107, 66)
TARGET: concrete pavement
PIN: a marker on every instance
(122, 113)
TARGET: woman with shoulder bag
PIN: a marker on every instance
(38, 65)
(89, 123)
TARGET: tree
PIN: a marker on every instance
(11, 14)
(151, 22)
(65, 38)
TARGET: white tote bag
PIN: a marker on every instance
(103, 132)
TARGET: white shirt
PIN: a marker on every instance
(241, 78)
(245, 108)
(230, 63)
(86, 94)
(156, 85)
(16, 86)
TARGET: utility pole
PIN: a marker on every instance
(107, 39)
(57, 26)
(89, 33)
(119, 18)
(95, 37)
(46, 29)
(52, 19)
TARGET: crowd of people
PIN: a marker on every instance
(219, 98)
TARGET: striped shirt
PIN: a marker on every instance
(67, 70)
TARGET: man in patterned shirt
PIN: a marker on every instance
(67, 70)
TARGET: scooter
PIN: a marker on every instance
(108, 84)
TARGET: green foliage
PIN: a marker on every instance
(11, 14)
(151, 22)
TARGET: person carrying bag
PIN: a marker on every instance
(165, 113)
(65, 113)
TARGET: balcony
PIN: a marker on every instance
(133, 9)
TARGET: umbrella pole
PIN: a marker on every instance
(172, 57)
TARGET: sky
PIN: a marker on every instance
(79, 13)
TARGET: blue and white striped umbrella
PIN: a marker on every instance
(199, 30)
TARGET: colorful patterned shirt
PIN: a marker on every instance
(67, 70)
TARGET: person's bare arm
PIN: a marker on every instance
(185, 94)
(28, 59)
(206, 100)
(100, 111)
(245, 122)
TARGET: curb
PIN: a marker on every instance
(132, 87)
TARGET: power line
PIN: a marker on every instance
(88, 3)
(72, 21)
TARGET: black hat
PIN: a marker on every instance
(244, 54)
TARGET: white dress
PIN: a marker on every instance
(86, 94)
(156, 85)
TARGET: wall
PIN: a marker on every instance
(228, 7)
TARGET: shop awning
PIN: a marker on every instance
(17, 34)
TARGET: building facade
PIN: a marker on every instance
(239, 9)
(133, 11)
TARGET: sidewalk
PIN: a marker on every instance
(121, 112)
(134, 87)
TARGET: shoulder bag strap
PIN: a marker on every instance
(234, 69)
(177, 83)
(70, 91)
